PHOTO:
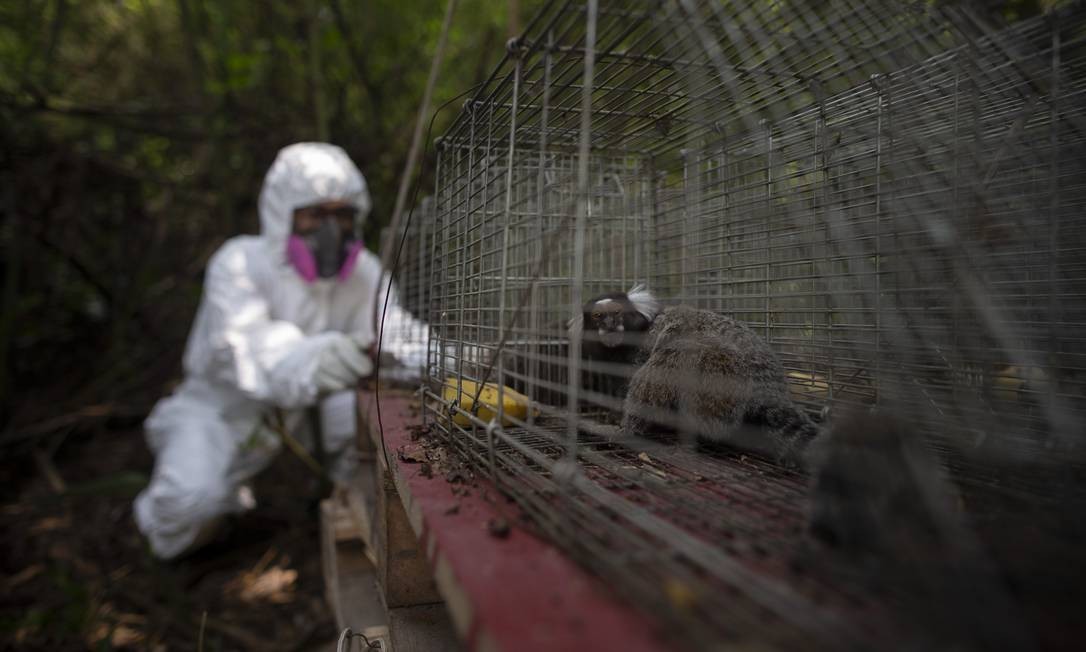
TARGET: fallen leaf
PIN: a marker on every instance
(125, 637)
(25, 575)
(50, 523)
(411, 456)
(274, 585)
(117, 628)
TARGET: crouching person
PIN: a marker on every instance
(286, 322)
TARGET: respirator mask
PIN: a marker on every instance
(323, 243)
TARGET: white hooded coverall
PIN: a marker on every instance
(254, 347)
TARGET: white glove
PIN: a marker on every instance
(363, 340)
(341, 364)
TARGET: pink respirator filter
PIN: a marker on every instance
(301, 258)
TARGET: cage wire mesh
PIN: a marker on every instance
(413, 271)
(889, 193)
(403, 335)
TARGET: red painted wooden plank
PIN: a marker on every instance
(523, 593)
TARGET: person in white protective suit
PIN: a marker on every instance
(286, 321)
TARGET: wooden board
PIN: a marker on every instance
(423, 628)
(356, 595)
(403, 570)
(350, 578)
(514, 592)
(358, 500)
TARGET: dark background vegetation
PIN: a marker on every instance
(134, 136)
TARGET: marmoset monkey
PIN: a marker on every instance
(612, 328)
(695, 373)
(709, 377)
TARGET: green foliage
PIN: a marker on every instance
(133, 140)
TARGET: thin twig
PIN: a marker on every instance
(99, 411)
(279, 427)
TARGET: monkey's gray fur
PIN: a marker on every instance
(707, 376)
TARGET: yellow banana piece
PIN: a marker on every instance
(516, 404)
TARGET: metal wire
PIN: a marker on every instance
(890, 193)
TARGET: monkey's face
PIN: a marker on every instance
(607, 318)
(615, 321)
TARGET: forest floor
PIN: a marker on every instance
(76, 574)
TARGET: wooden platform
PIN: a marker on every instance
(430, 565)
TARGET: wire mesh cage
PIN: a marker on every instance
(414, 265)
(404, 337)
(890, 194)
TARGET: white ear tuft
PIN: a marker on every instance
(575, 326)
(643, 301)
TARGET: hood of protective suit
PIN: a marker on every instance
(304, 174)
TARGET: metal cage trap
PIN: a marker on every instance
(891, 194)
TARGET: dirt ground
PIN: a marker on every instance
(75, 574)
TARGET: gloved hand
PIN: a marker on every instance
(341, 364)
